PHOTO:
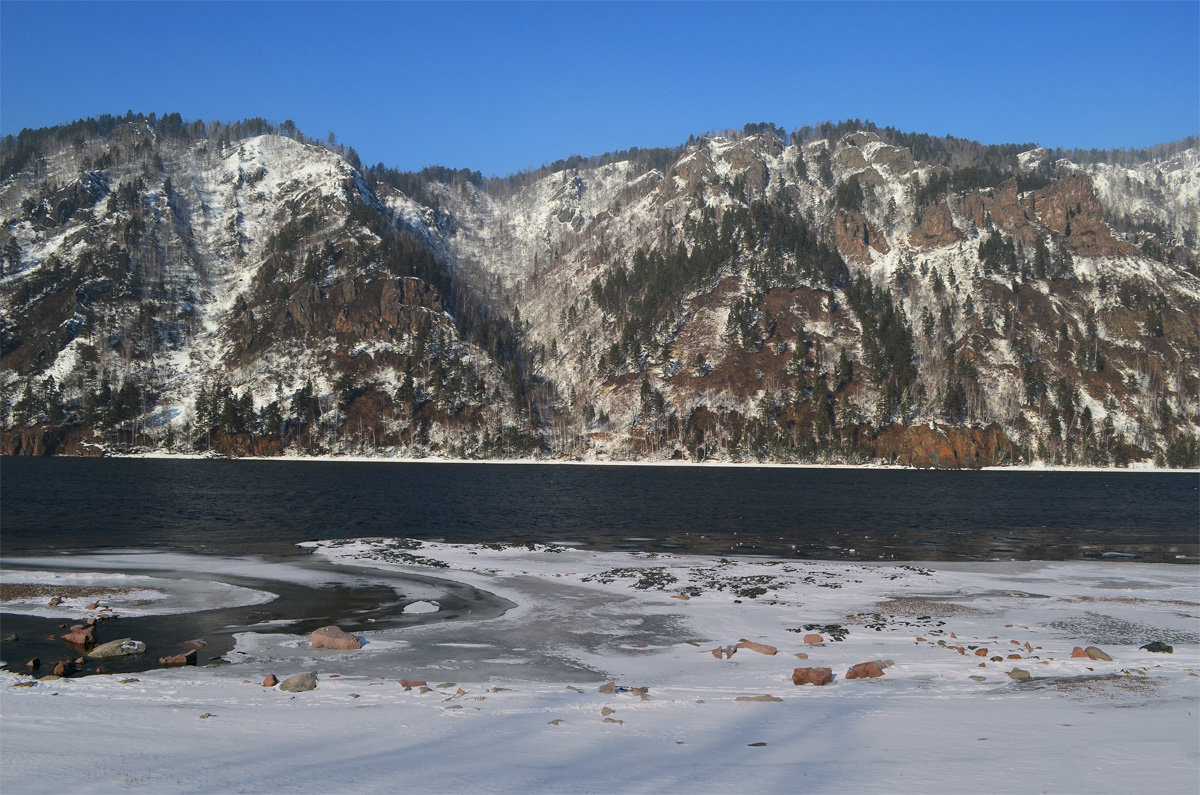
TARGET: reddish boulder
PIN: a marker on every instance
(981, 652)
(813, 639)
(761, 648)
(408, 683)
(84, 636)
(812, 676)
(866, 670)
(175, 660)
(1079, 652)
(270, 681)
(332, 637)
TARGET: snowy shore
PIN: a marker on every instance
(517, 703)
(1141, 467)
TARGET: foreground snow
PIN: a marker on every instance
(514, 704)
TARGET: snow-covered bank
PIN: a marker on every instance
(1138, 467)
(515, 703)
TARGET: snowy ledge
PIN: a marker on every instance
(943, 717)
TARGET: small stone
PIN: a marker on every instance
(755, 745)
(801, 656)
(1096, 653)
(206, 715)
(681, 597)
(1014, 656)
(131, 680)
(998, 658)
(92, 606)
(354, 695)
(977, 678)
(55, 602)
(812, 676)
(765, 697)
(1019, 674)
(554, 722)
(609, 688)
(425, 689)
(411, 683)
(34, 664)
(813, 639)
(26, 684)
(613, 720)
(270, 681)
(1159, 647)
(717, 652)
(607, 711)
(299, 683)
(981, 652)
(639, 691)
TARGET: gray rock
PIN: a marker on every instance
(123, 647)
(1020, 674)
(978, 678)
(299, 683)
(1097, 653)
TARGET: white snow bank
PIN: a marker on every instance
(937, 721)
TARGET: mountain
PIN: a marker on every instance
(837, 293)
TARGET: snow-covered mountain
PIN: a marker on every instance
(843, 293)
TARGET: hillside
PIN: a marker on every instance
(840, 293)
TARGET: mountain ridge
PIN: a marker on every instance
(820, 295)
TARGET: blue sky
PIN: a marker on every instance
(499, 87)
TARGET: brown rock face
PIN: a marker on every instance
(1070, 209)
(944, 447)
(866, 670)
(332, 637)
(812, 676)
(936, 228)
(50, 440)
(855, 236)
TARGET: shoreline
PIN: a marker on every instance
(364, 459)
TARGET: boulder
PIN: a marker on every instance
(409, 683)
(609, 688)
(981, 652)
(34, 664)
(299, 683)
(1159, 647)
(1078, 652)
(1096, 653)
(117, 648)
(270, 681)
(1019, 674)
(761, 648)
(175, 660)
(812, 676)
(865, 670)
(54, 601)
(84, 636)
(813, 639)
(332, 637)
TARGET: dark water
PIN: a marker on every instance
(265, 507)
(217, 509)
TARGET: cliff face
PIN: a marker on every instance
(824, 297)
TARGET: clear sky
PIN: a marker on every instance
(499, 86)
